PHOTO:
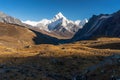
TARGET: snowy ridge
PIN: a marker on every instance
(32, 23)
(57, 21)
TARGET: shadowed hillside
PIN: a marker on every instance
(19, 36)
(100, 25)
(44, 39)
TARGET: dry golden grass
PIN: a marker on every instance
(65, 59)
(15, 36)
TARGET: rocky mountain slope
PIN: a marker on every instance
(101, 25)
(4, 18)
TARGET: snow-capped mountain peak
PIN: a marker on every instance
(45, 22)
(59, 16)
(58, 20)
(77, 22)
(58, 23)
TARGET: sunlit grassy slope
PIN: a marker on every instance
(57, 62)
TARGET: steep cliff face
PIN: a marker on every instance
(101, 25)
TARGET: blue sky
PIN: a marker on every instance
(72, 9)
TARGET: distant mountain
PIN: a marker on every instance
(59, 25)
(9, 19)
(101, 25)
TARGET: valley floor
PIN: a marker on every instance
(84, 60)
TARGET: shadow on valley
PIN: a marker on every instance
(53, 68)
(44, 39)
(115, 46)
(45, 68)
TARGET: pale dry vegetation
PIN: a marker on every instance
(55, 62)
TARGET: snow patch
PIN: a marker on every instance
(32, 23)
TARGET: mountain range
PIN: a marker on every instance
(61, 28)
(59, 25)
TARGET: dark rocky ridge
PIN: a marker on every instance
(102, 25)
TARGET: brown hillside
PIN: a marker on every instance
(19, 36)
(14, 35)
